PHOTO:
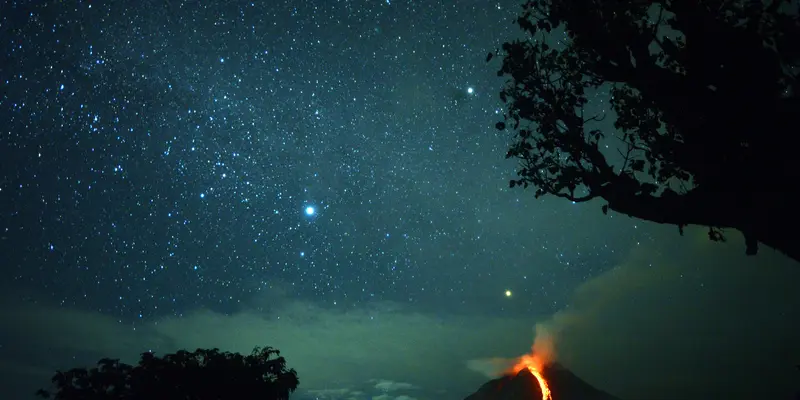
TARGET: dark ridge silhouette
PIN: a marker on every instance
(564, 385)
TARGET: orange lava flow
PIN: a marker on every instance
(534, 365)
(546, 395)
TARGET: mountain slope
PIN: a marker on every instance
(564, 385)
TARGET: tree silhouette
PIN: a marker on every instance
(203, 374)
(706, 101)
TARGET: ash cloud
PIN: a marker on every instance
(684, 320)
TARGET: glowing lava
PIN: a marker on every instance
(535, 366)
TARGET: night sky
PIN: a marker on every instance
(324, 177)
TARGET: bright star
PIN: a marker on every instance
(508, 293)
(470, 90)
(310, 211)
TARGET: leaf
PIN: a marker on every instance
(669, 47)
(500, 126)
(605, 209)
(544, 25)
(637, 165)
(489, 57)
(512, 183)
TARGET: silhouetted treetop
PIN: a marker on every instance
(705, 96)
(199, 375)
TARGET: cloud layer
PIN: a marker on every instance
(386, 350)
(676, 321)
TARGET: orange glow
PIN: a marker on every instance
(535, 365)
(546, 395)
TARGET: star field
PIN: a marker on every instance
(325, 177)
(159, 157)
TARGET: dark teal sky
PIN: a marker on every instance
(158, 159)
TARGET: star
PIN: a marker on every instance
(470, 90)
(310, 211)
(508, 293)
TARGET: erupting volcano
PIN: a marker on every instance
(542, 354)
(553, 382)
(537, 375)
(535, 366)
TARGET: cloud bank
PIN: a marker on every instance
(385, 350)
(681, 320)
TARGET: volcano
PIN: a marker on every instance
(564, 385)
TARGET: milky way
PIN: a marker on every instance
(158, 157)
